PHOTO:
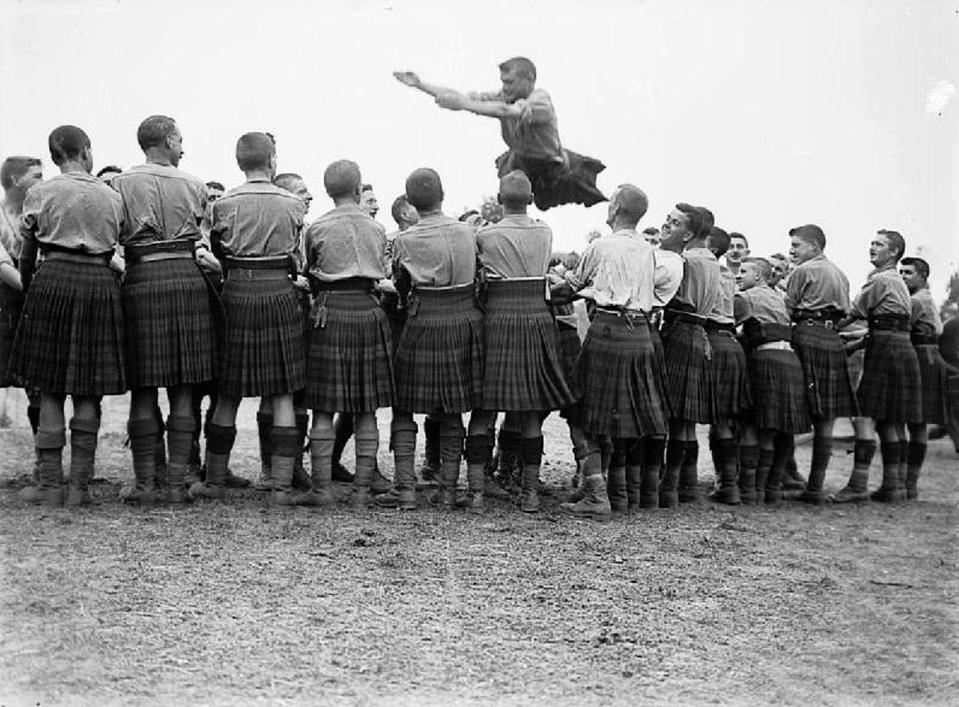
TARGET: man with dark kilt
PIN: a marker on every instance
(256, 235)
(817, 297)
(529, 128)
(687, 352)
(350, 364)
(70, 340)
(619, 372)
(523, 374)
(779, 408)
(167, 304)
(731, 390)
(439, 358)
(890, 389)
(925, 332)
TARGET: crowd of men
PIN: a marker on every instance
(149, 278)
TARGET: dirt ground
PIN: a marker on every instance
(238, 603)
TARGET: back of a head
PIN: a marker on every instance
(632, 203)
(709, 220)
(810, 233)
(717, 241)
(695, 218)
(67, 142)
(515, 190)
(424, 190)
(109, 169)
(215, 185)
(521, 66)
(154, 131)
(287, 180)
(396, 210)
(15, 167)
(764, 267)
(342, 179)
(254, 151)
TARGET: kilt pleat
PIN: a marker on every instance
(891, 384)
(829, 391)
(935, 384)
(350, 366)
(439, 358)
(169, 325)
(730, 375)
(9, 317)
(523, 370)
(70, 339)
(568, 345)
(621, 381)
(263, 349)
(779, 392)
(688, 372)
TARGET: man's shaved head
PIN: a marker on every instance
(424, 190)
(515, 190)
(717, 241)
(631, 203)
(342, 179)
(254, 151)
(67, 142)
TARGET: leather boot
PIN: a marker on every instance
(49, 488)
(285, 443)
(792, 479)
(143, 441)
(431, 461)
(916, 456)
(532, 460)
(580, 452)
(83, 448)
(403, 443)
(726, 451)
(783, 451)
(510, 459)
(379, 483)
(451, 454)
(595, 503)
(264, 425)
(652, 464)
(903, 466)
(856, 489)
(616, 479)
(634, 475)
(821, 452)
(889, 492)
(763, 467)
(321, 466)
(179, 445)
(689, 474)
(477, 453)
(748, 468)
(219, 444)
(675, 454)
(301, 479)
(366, 444)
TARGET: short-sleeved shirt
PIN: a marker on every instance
(535, 132)
(517, 246)
(257, 219)
(9, 238)
(74, 210)
(438, 251)
(701, 281)
(669, 276)
(817, 284)
(723, 310)
(160, 203)
(884, 292)
(925, 314)
(617, 271)
(346, 242)
(762, 303)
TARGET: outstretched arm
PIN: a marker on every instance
(448, 98)
(411, 79)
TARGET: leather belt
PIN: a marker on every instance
(77, 257)
(775, 346)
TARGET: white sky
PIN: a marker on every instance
(773, 113)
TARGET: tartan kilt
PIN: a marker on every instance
(70, 339)
(263, 351)
(568, 345)
(622, 384)
(779, 392)
(730, 375)
(11, 302)
(891, 385)
(829, 391)
(169, 324)
(350, 364)
(935, 384)
(523, 371)
(439, 358)
(688, 372)
(572, 181)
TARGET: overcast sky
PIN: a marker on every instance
(773, 113)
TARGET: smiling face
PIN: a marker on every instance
(675, 229)
(737, 250)
(912, 277)
(368, 203)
